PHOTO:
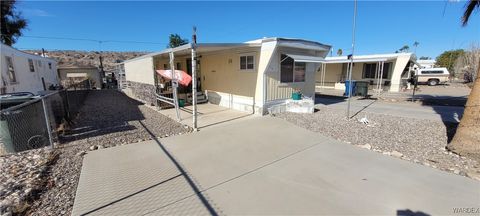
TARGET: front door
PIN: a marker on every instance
(189, 71)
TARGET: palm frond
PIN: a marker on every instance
(469, 8)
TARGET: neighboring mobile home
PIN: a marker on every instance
(250, 76)
(390, 71)
(74, 74)
(25, 72)
(426, 63)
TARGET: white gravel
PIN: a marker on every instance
(107, 119)
(419, 141)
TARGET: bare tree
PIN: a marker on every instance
(466, 66)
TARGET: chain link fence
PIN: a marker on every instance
(38, 122)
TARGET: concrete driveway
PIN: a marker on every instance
(263, 166)
(409, 110)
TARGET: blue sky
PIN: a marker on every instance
(382, 26)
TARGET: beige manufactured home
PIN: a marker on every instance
(387, 72)
(250, 76)
(74, 74)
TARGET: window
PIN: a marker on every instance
(39, 63)
(299, 73)
(179, 66)
(30, 64)
(10, 69)
(369, 70)
(291, 71)
(247, 62)
(432, 72)
(50, 65)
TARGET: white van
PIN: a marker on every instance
(432, 76)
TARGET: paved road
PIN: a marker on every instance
(440, 113)
(258, 166)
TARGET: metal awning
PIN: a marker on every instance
(302, 58)
(333, 61)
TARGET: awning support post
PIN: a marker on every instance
(381, 78)
(377, 79)
(174, 85)
(194, 78)
(322, 75)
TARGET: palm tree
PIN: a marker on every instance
(415, 44)
(11, 23)
(467, 137)
(175, 41)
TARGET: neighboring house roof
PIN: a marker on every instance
(369, 58)
(206, 47)
(3, 46)
(77, 67)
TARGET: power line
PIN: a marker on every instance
(91, 40)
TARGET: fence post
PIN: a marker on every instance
(67, 105)
(47, 121)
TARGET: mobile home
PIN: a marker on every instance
(390, 72)
(25, 72)
(250, 76)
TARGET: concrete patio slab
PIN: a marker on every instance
(208, 115)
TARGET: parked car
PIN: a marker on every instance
(432, 76)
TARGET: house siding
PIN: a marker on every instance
(276, 90)
(221, 72)
(140, 71)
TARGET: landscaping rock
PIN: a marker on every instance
(81, 153)
(396, 154)
(365, 146)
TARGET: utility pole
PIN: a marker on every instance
(102, 72)
(194, 77)
(351, 59)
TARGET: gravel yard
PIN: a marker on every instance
(418, 141)
(44, 182)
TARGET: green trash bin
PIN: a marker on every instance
(296, 96)
(362, 88)
(181, 102)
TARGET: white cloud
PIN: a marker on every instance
(36, 13)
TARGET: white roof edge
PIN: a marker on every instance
(386, 55)
(10, 47)
(189, 46)
(252, 43)
(356, 60)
